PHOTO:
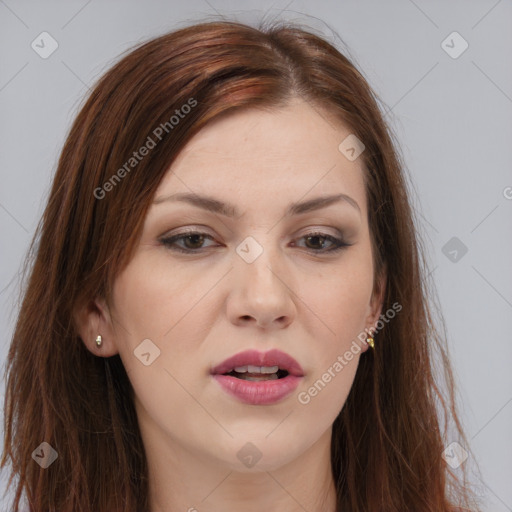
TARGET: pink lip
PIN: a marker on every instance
(264, 392)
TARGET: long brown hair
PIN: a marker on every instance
(387, 440)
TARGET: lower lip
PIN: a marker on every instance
(263, 392)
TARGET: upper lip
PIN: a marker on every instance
(273, 357)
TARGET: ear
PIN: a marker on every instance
(376, 303)
(92, 320)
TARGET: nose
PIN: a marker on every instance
(261, 293)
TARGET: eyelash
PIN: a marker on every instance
(169, 242)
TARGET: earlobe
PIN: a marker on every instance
(94, 326)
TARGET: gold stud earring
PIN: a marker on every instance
(370, 342)
(99, 341)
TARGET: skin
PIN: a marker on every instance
(200, 309)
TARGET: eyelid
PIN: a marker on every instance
(204, 230)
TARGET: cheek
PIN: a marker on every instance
(341, 298)
(152, 296)
(165, 304)
(343, 308)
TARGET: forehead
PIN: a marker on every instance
(286, 154)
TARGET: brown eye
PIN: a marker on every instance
(316, 242)
(195, 241)
(192, 240)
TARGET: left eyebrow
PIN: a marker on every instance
(229, 210)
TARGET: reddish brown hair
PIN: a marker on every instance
(388, 439)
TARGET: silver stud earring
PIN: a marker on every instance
(99, 341)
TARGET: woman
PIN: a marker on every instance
(226, 308)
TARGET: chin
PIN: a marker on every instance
(254, 454)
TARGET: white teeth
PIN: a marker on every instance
(256, 369)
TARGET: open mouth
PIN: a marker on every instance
(259, 378)
(256, 374)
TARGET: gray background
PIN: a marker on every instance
(452, 117)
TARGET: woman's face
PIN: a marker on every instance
(254, 281)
